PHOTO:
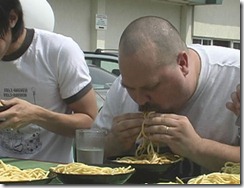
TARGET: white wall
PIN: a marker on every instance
(218, 21)
(75, 18)
(72, 18)
(121, 13)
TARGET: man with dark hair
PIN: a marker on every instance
(186, 86)
(45, 84)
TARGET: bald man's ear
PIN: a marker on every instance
(182, 61)
(13, 18)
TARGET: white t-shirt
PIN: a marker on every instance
(49, 71)
(220, 73)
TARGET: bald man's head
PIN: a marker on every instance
(153, 35)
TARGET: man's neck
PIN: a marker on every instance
(195, 66)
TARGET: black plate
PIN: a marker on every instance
(95, 179)
(47, 180)
(147, 173)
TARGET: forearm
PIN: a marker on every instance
(63, 124)
(212, 155)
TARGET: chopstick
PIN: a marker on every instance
(1, 103)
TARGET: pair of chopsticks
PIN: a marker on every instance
(1, 103)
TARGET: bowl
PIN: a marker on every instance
(148, 173)
(95, 178)
(44, 181)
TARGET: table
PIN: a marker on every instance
(28, 164)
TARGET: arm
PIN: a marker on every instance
(23, 113)
(212, 155)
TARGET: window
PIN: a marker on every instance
(202, 41)
(219, 42)
(197, 41)
(206, 42)
(237, 45)
(105, 61)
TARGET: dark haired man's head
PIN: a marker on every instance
(8, 8)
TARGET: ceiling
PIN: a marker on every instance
(191, 2)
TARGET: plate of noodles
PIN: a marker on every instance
(10, 174)
(148, 171)
(216, 178)
(228, 174)
(162, 161)
(80, 173)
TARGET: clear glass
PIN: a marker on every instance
(90, 145)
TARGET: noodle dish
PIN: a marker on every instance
(10, 174)
(80, 173)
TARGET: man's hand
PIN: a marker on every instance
(176, 131)
(235, 104)
(125, 130)
(19, 114)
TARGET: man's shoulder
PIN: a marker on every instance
(49, 36)
(213, 48)
(54, 41)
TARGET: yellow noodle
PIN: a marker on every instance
(216, 178)
(231, 168)
(178, 181)
(145, 153)
(12, 173)
(81, 168)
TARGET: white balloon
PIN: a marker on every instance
(38, 14)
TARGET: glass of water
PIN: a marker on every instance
(90, 145)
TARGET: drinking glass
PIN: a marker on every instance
(90, 145)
